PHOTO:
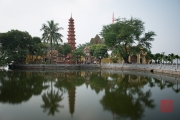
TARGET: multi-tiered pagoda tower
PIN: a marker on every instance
(71, 34)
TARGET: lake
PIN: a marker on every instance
(88, 95)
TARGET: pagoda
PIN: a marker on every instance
(71, 36)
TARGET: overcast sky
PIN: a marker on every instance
(160, 16)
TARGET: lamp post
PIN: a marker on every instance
(100, 60)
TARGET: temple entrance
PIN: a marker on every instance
(140, 60)
(133, 59)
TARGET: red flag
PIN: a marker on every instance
(113, 18)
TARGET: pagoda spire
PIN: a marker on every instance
(71, 34)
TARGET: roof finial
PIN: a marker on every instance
(71, 15)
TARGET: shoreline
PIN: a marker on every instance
(153, 68)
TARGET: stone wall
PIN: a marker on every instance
(155, 68)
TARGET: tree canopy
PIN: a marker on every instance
(98, 50)
(64, 49)
(124, 34)
(50, 32)
(15, 46)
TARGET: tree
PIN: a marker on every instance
(124, 33)
(171, 57)
(156, 57)
(77, 53)
(64, 49)
(34, 45)
(15, 46)
(82, 46)
(177, 57)
(166, 58)
(98, 50)
(51, 33)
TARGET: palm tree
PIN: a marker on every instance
(156, 57)
(51, 33)
(172, 57)
(166, 58)
(177, 57)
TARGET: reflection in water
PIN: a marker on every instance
(97, 82)
(16, 87)
(128, 100)
(123, 96)
(51, 100)
(69, 81)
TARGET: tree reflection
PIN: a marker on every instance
(128, 100)
(177, 89)
(69, 81)
(16, 86)
(97, 82)
(51, 99)
(51, 102)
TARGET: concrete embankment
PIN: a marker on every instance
(154, 68)
(54, 66)
(165, 77)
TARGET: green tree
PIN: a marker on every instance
(98, 50)
(15, 46)
(165, 58)
(33, 47)
(171, 57)
(64, 49)
(160, 58)
(156, 57)
(177, 57)
(124, 33)
(82, 46)
(77, 53)
(51, 33)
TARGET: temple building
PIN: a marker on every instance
(87, 58)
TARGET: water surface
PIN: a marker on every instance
(87, 95)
